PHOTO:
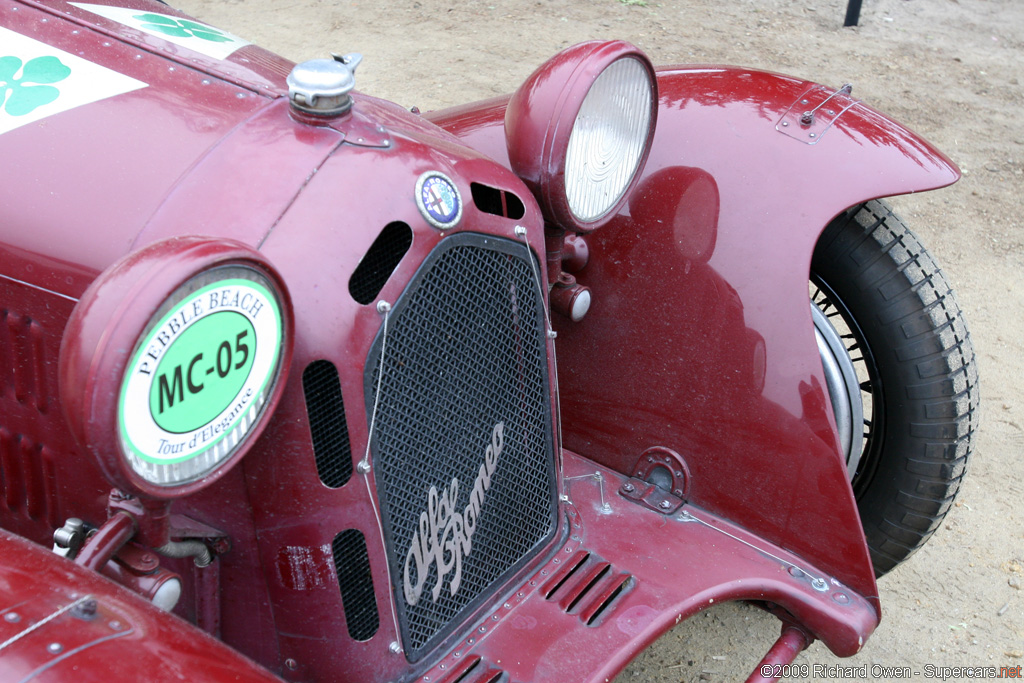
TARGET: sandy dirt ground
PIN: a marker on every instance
(949, 69)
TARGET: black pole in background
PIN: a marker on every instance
(852, 13)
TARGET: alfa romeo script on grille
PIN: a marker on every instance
(443, 529)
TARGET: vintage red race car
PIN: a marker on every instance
(280, 397)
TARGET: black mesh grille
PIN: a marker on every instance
(465, 353)
(379, 262)
(327, 424)
(357, 596)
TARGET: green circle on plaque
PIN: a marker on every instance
(202, 372)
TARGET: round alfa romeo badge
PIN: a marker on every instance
(438, 200)
(200, 375)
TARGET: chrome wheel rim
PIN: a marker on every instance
(845, 388)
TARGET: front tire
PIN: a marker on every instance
(889, 304)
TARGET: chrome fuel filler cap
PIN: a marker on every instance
(321, 87)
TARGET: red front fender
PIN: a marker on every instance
(119, 638)
(701, 323)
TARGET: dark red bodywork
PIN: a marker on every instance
(699, 341)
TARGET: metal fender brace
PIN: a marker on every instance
(792, 641)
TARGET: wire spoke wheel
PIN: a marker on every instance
(900, 372)
(851, 378)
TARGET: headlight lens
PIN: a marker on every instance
(608, 139)
(201, 375)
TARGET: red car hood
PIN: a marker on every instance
(106, 119)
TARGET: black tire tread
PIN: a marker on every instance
(908, 311)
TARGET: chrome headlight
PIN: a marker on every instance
(580, 128)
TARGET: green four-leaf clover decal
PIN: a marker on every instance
(180, 28)
(23, 95)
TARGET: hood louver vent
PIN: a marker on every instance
(586, 586)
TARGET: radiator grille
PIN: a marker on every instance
(465, 367)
